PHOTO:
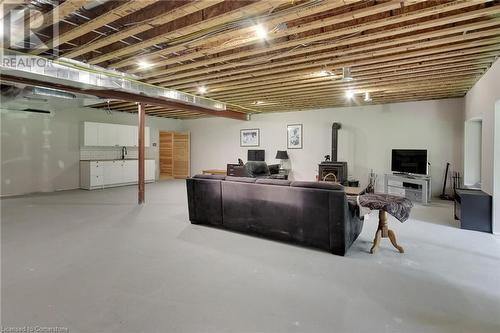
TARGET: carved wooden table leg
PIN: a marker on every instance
(392, 237)
(384, 232)
(376, 240)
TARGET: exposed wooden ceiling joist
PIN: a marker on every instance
(159, 19)
(237, 14)
(226, 43)
(123, 10)
(390, 67)
(59, 13)
(327, 36)
(395, 50)
(372, 50)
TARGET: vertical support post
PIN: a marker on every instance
(141, 112)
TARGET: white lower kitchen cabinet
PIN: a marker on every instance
(101, 174)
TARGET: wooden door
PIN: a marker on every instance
(174, 155)
(166, 153)
(181, 155)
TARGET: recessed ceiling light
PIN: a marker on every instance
(367, 97)
(143, 64)
(260, 31)
(202, 90)
(349, 94)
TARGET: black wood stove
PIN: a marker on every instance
(331, 170)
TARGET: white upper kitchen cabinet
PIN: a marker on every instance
(113, 135)
(108, 135)
(90, 134)
(126, 135)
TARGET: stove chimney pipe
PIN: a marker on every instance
(335, 140)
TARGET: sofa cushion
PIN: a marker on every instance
(320, 185)
(218, 177)
(271, 181)
(241, 179)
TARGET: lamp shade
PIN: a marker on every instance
(281, 155)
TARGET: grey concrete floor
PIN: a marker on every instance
(96, 262)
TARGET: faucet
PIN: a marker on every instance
(124, 152)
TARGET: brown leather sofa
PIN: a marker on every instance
(313, 214)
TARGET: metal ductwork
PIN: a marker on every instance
(66, 72)
(46, 92)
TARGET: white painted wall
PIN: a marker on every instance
(40, 153)
(480, 103)
(365, 141)
(496, 171)
(472, 153)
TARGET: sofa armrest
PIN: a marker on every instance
(345, 225)
(353, 225)
(204, 200)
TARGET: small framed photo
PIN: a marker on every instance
(294, 136)
(250, 137)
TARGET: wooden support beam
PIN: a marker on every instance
(140, 120)
(131, 97)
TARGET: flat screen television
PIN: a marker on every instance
(409, 161)
(256, 155)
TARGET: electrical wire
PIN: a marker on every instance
(232, 26)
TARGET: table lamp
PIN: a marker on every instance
(282, 155)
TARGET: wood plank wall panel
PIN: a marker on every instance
(181, 155)
(166, 153)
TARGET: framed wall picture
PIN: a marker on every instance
(294, 136)
(250, 137)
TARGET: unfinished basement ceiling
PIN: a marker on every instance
(396, 50)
